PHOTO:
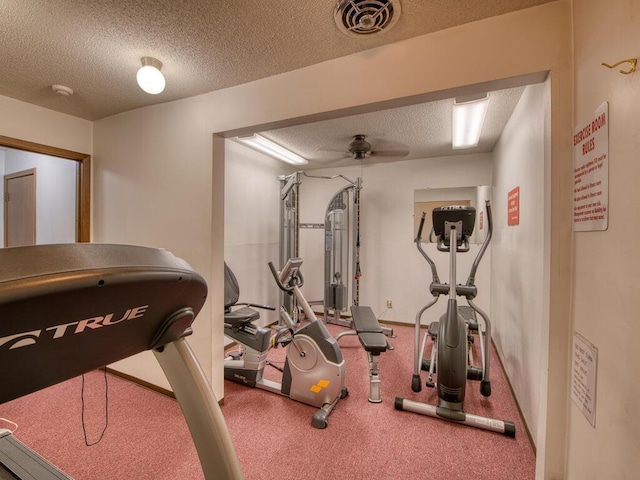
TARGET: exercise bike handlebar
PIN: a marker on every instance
(472, 274)
(297, 275)
(418, 240)
(255, 305)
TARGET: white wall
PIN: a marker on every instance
(164, 157)
(25, 121)
(392, 267)
(29, 122)
(517, 282)
(251, 223)
(56, 185)
(154, 185)
(607, 263)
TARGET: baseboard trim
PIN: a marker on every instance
(145, 384)
(141, 383)
(515, 399)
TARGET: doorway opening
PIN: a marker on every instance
(78, 188)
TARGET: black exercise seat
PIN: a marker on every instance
(368, 329)
(242, 316)
(376, 343)
(364, 320)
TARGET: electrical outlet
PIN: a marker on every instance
(389, 304)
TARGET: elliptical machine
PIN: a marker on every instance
(313, 371)
(453, 225)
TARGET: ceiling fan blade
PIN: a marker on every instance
(345, 161)
(390, 153)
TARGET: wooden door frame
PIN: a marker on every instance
(83, 193)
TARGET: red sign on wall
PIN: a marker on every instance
(513, 207)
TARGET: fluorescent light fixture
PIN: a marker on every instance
(258, 142)
(150, 77)
(468, 118)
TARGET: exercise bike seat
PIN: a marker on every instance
(241, 316)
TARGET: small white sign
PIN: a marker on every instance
(591, 173)
(584, 375)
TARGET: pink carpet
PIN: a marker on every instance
(147, 437)
(274, 437)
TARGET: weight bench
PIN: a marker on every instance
(371, 336)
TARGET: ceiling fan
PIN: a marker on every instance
(359, 148)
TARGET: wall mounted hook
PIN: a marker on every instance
(633, 62)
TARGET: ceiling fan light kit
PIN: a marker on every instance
(359, 147)
(366, 17)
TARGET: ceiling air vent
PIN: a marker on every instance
(366, 17)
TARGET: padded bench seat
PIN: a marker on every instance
(368, 329)
(373, 342)
(364, 320)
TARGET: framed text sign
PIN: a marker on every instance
(591, 173)
(583, 374)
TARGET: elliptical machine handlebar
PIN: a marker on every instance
(420, 227)
(418, 240)
(472, 274)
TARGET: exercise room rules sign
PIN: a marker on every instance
(583, 372)
(591, 172)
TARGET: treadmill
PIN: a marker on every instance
(69, 309)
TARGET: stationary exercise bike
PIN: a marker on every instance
(313, 371)
(453, 225)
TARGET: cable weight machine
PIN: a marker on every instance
(341, 229)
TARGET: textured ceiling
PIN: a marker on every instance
(95, 46)
(405, 133)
